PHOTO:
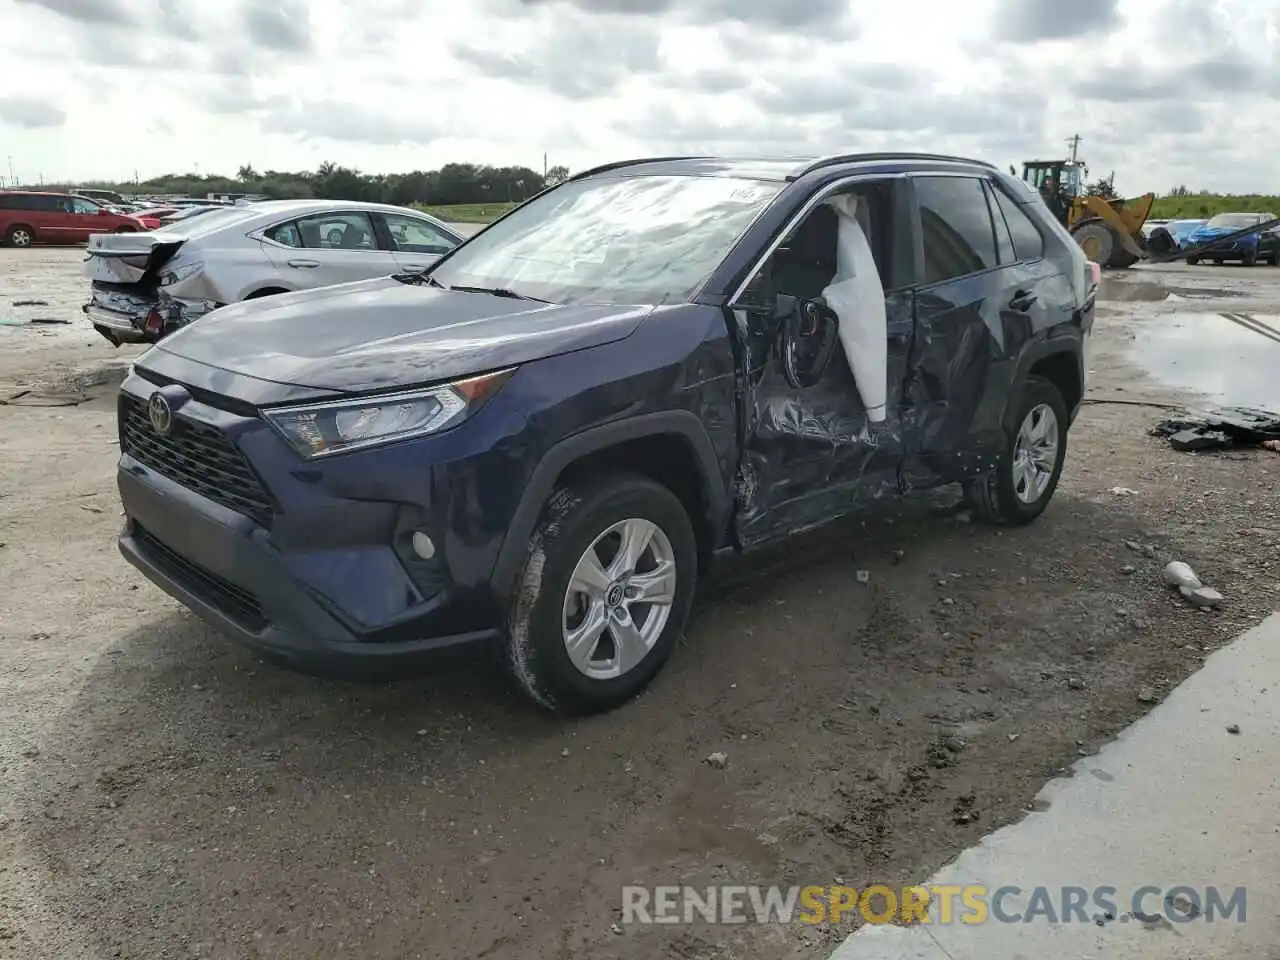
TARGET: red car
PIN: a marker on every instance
(28, 217)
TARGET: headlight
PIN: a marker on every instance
(320, 429)
(170, 277)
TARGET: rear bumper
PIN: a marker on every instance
(221, 566)
(123, 317)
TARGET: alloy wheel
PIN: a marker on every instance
(619, 599)
(1035, 454)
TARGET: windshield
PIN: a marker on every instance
(631, 239)
(1236, 221)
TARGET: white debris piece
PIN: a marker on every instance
(1179, 574)
(856, 294)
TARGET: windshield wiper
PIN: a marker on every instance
(497, 292)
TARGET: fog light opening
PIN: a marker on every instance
(422, 545)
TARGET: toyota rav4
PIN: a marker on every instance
(543, 440)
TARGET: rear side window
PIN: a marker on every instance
(28, 201)
(1028, 242)
(959, 236)
(327, 231)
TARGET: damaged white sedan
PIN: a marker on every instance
(146, 285)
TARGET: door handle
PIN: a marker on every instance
(304, 263)
(1022, 301)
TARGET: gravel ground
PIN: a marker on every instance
(163, 794)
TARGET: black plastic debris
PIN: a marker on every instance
(1221, 428)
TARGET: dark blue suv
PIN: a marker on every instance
(542, 442)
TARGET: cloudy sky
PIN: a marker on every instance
(1162, 91)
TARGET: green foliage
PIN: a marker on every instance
(1181, 204)
(454, 183)
(466, 212)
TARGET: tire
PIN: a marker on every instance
(578, 519)
(1121, 258)
(1192, 261)
(1003, 497)
(1250, 259)
(20, 235)
(1274, 258)
(1096, 240)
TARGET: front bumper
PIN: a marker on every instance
(1231, 249)
(300, 566)
(222, 569)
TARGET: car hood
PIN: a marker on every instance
(1208, 232)
(376, 334)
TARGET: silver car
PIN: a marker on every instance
(146, 285)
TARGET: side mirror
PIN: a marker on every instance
(807, 339)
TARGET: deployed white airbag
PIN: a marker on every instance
(856, 294)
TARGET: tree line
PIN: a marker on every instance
(451, 184)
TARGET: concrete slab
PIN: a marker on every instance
(1176, 800)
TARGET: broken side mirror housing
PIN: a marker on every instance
(807, 338)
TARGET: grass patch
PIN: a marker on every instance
(467, 212)
(1197, 205)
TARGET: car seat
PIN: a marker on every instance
(804, 265)
(353, 236)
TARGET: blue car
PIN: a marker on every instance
(1243, 249)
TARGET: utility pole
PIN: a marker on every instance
(12, 179)
(1074, 142)
(544, 166)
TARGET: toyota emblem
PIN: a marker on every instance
(160, 413)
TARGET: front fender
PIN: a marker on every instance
(681, 423)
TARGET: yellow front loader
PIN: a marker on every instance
(1109, 231)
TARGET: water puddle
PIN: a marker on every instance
(1232, 357)
(1115, 290)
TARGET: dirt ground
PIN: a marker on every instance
(165, 795)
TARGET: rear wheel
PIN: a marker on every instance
(20, 235)
(1192, 261)
(1031, 462)
(1274, 259)
(604, 595)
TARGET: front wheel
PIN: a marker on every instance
(1030, 464)
(20, 236)
(1249, 259)
(604, 595)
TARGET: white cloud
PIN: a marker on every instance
(1163, 92)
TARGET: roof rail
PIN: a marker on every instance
(603, 168)
(838, 158)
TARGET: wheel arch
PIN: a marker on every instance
(670, 447)
(9, 228)
(1060, 360)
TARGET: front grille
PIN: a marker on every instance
(196, 456)
(236, 602)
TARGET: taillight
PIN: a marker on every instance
(1095, 273)
(154, 324)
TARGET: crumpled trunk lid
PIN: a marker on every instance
(130, 258)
